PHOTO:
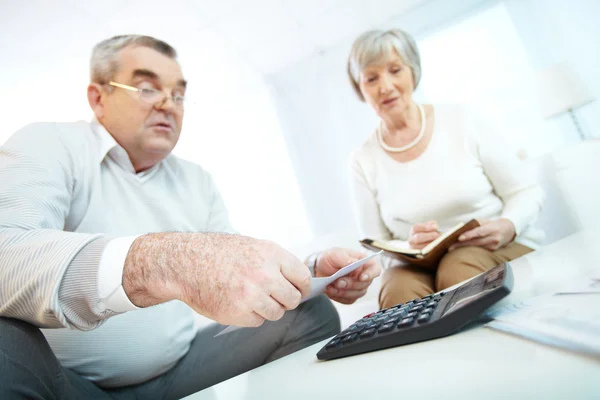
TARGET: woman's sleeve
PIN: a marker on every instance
(366, 208)
(513, 183)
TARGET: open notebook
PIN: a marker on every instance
(430, 254)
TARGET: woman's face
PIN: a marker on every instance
(388, 86)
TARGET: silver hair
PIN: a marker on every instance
(377, 46)
(104, 62)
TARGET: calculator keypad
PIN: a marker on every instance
(402, 316)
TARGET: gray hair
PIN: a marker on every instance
(377, 46)
(104, 62)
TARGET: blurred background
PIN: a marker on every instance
(274, 117)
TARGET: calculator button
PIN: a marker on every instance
(431, 304)
(393, 320)
(411, 315)
(360, 329)
(424, 317)
(369, 324)
(399, 313)
(350, 338)
(386, 328)
(367, 333)
(349, 330)
(428, 310)
(406, 322)
(417, 308)
(333, 344)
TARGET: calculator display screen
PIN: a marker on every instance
(476, 288)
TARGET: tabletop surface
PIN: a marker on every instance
(473, 363)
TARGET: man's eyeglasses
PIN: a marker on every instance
(151, 96)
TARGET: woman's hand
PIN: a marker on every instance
(422, 234)
(491, 235)
(347, 289)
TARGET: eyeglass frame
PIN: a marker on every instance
(164, 96)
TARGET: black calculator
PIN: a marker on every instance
(430, 317)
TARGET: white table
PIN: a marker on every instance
(475, 363)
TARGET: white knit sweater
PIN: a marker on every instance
(465, 172)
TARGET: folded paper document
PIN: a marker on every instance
(568, 321)
(318, 285)
(588, 285)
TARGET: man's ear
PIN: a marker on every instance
(94, 95)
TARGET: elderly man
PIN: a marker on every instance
(77, 201)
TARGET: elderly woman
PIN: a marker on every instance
(426, 168)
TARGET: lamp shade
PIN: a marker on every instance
(560, 90)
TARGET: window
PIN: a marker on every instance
(481, 61)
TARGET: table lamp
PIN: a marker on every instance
(560, 91)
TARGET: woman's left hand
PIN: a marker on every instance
(491, 235)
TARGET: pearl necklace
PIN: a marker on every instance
(411, 144)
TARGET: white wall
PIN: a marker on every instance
(233, 130)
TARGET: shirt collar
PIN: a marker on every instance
(108, 147)
(105, 140)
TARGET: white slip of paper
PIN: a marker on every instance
(568, 321)
(318, 285)
(588, 285)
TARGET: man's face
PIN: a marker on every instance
(147, 131)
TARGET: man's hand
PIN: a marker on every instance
(422, 234)
(491, 235)
(348, 289)
(232, 279)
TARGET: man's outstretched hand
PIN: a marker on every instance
(232, 279)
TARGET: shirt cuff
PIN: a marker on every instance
(110, 275)
(312, 263)
(516, 220)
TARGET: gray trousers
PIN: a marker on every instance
(29, 368)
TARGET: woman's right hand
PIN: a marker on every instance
(422, 234)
